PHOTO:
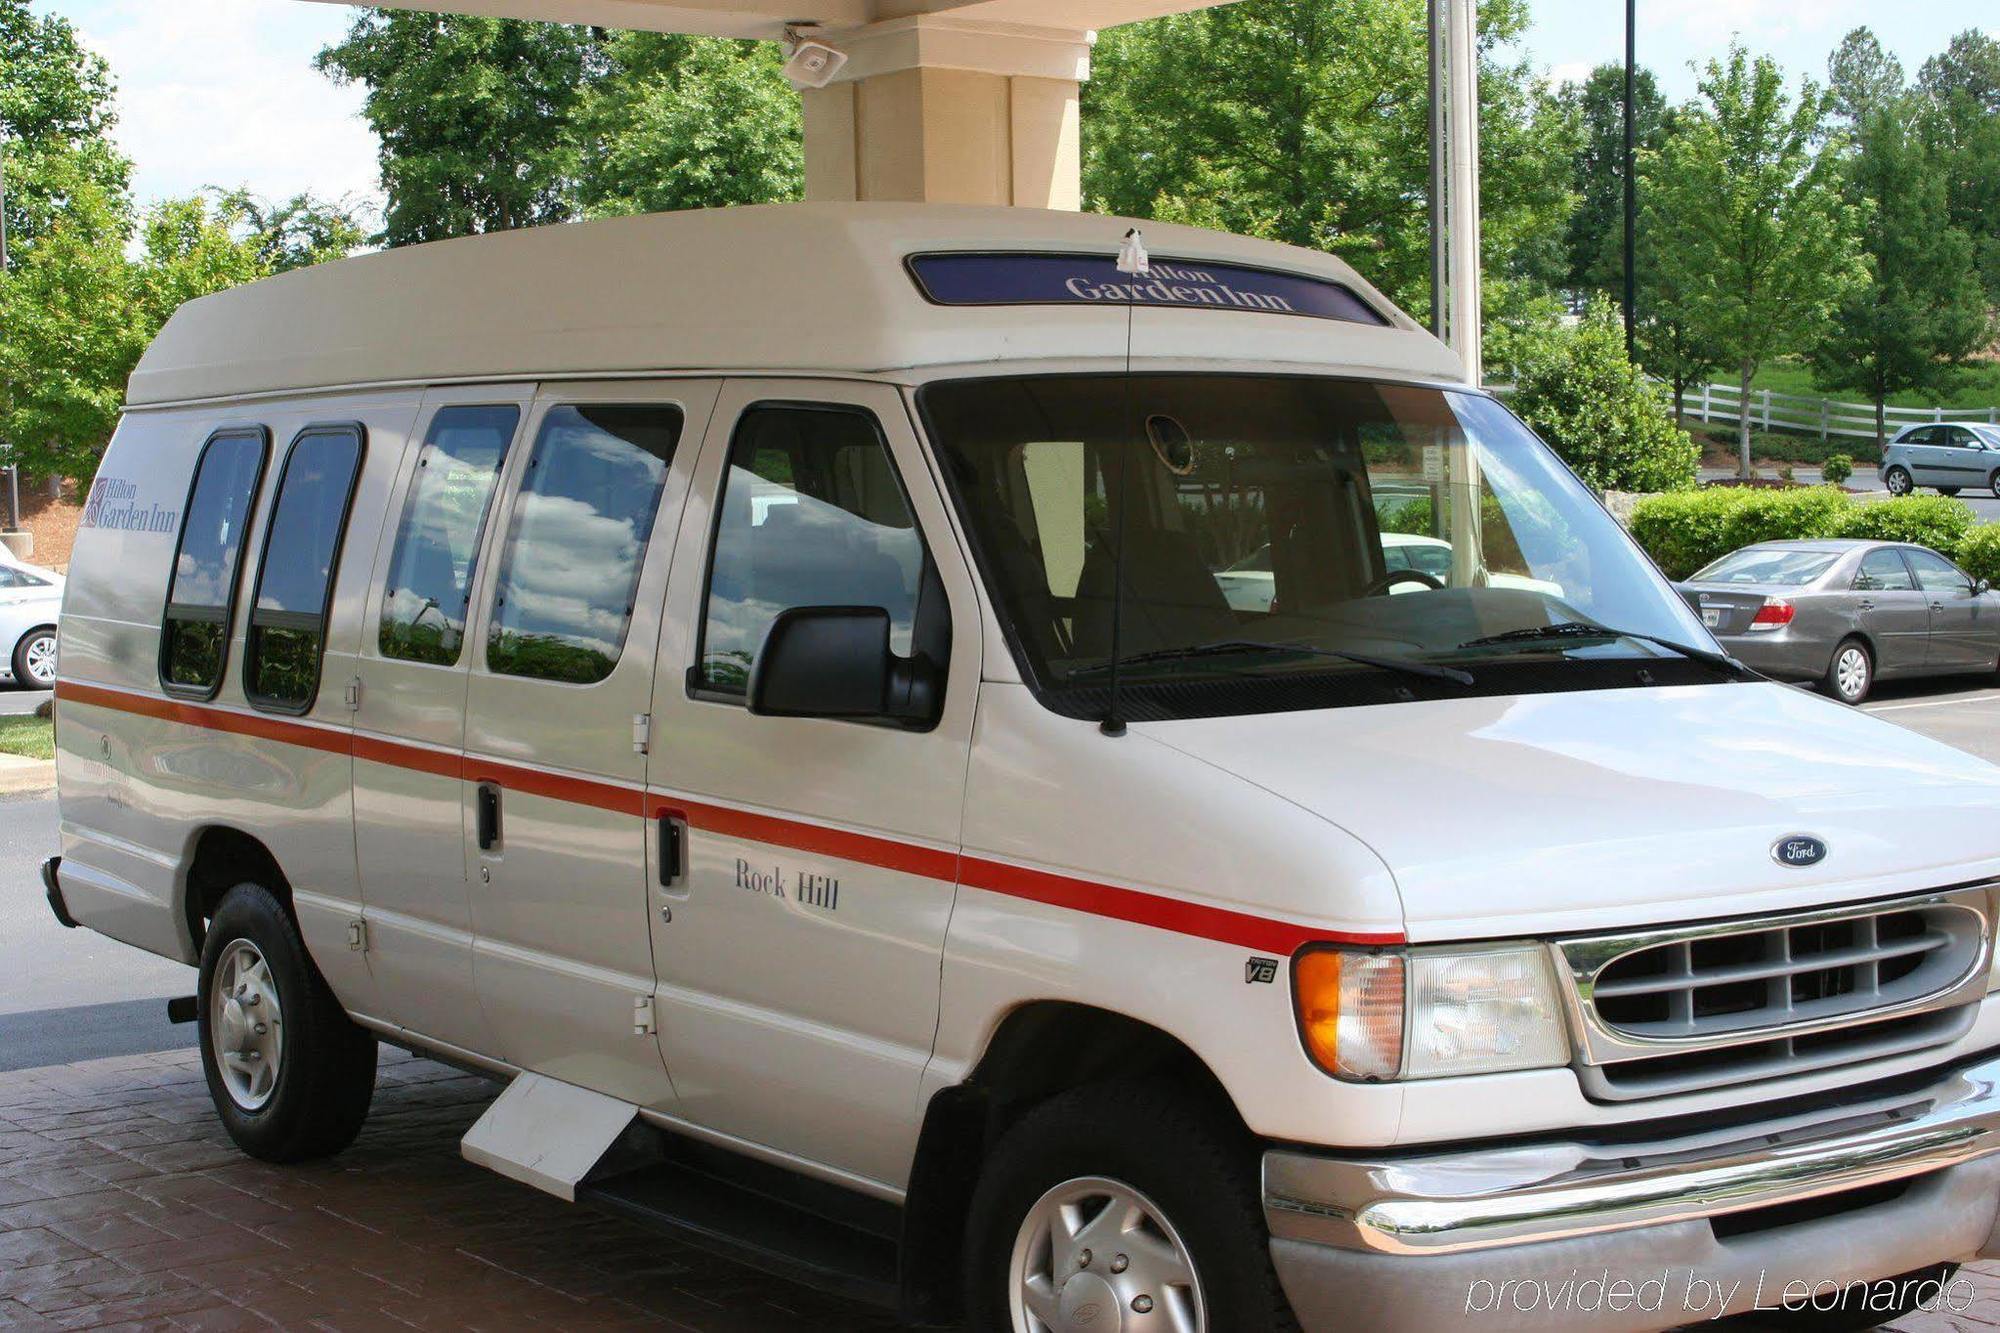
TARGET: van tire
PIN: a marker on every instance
(325, 1064)
(1151, 1137)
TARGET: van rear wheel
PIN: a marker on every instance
(291, 1076)
(1122, 1207)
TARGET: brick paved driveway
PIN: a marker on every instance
(122, 1205)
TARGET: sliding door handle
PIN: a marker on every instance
(489, 816)
(670, 849)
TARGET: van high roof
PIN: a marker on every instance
(811, 288)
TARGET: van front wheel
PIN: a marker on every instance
(1122, 1207)
(290, 1075)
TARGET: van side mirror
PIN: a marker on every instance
(1981, 588)
(835, 662)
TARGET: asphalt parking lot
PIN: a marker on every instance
(1959, 711)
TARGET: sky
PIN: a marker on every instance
(222, 92)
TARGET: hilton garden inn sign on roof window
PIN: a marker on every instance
(1058, 279)
(1039, 796)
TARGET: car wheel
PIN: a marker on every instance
(1128, 1198)
(290, 1074)
(1851, 676)
(1948, 490)
(1898, 481)
(1993, 484)
(35, 660)
(1863, 1305)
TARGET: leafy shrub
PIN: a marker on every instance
(1614, 427)
(1926, 520)
(1776, 446)
(1837, 469)
(1979, 553)
(1687, 530)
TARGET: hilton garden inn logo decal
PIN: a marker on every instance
(114, 503)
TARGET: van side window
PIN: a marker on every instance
(812, 514)
(581, 524)
(295, 580)
(444, 521)
(201, 599)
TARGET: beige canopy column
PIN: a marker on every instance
(950, 110)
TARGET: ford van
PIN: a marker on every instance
(1044, 780)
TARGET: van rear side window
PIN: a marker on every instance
(295, 581)
(444, 521)
(201, 599)
(582, 521)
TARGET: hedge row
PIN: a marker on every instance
(1686, 530)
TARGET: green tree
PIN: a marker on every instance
(688, 122)
(55, 100)
(1864, 79)
(1596, 235)
(1961, 118)
(190, 251)
(474, 115)
(1306, 121)
(1922, 312)
(74, 330)
(296, 232)
(1751, 228)
(1596, 409)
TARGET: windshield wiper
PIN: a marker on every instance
(1228, 647)
(1576, 629)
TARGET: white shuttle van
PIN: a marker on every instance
(766, 684)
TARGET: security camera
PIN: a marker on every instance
(813, 64)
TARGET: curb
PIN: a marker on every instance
(18, 776)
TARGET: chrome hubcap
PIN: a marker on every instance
(1851, 672)
(245, 1025)
(1898, 484)
(41, 660)
(1097, 1256)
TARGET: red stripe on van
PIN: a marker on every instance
(1150, 909)
(887, 853)
(1199, 920)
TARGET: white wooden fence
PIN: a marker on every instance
(1822, 417)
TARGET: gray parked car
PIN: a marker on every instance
(1949, 458)
(1844, 614)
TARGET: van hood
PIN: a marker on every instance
(1559, 813)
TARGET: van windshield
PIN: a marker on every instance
(1322, 535)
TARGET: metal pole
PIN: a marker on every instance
(1632, 179)
(13, 470)
(1462, 210)
(1438, 13)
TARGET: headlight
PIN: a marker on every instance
(1428, 1013)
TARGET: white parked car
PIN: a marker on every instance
(30, 610)
(937, 887)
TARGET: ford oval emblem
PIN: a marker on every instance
(1799, 851)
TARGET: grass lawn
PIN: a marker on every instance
(29, 737)
(1977, 386)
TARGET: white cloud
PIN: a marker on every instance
(1761, 23)
(222, 92)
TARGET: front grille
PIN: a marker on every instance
(1678, 1011)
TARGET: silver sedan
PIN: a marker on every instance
(1844, 614)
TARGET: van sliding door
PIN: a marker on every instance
(560, 685)
(435, 558)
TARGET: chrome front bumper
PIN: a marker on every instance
(1412, 1230)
